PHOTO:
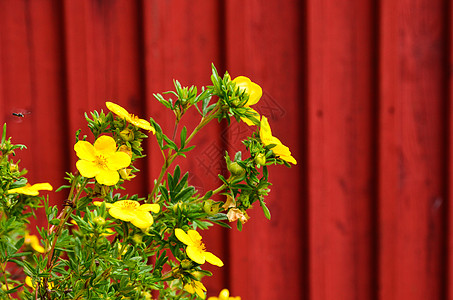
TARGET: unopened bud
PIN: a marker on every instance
(127, 135)
(235, 169)
(100, 221)
(210, 207)
(13, 168)
(186, 264)
(260, 159)
(137, 238)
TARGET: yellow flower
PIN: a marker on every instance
(280, 150)
(32, 240)
(29, 282)
(132, 211)
(134, 120)
(31, 190)
(196, 287)
(224, 295)
(195, 248)
(253, 90)
(101, 160)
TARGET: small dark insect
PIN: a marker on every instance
(20, 115)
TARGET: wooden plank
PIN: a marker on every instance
(181, 40)
(103, 64)
(412, 142)
(32, 84)
(340, 154)
(263, 41)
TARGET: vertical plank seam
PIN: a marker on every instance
(445, 276)
(375, 155)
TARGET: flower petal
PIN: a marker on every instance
(141, 123)
(25, 190)
(265, 130)
(255, 92)
(212, 259)
(189, 288)
(42, 186)
(196, 254)
(289, 159)
(118, 110)
(121, 213)
(118, 160)
(183, 237)
(87, 168)
(194, 235)
(127, 204)
(99, 203)
(249, 121)
(199, 289)
(107, 177)
(155, 208)
(142, 219)
(85, 150)
(105, 144)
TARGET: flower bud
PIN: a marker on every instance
(224, 294)
(127, 135)
(186, 264)
(137, 238)
(146, 295)
(13, 168)
(235, 169)
(100, 221)
(260, 159)
(244, 199)
(210, 207)
(126, 174)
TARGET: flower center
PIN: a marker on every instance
(128, 204)
(101, 161)
(134, 118)
(200, 245)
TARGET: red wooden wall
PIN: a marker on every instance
(360, 90)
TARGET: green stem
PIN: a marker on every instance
(6, 278)
(66, 213)
(171, 157)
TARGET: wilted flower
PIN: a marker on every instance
(237, 214)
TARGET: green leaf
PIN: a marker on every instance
(266, 211)
(183, 137)
(54, 221)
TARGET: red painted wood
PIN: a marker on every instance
(411, 181)
(181, 40)
(263, 42)
(358, 90)
(340, 154)
(32, 84)
(103, 64)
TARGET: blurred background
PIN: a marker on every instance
(360, 90)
